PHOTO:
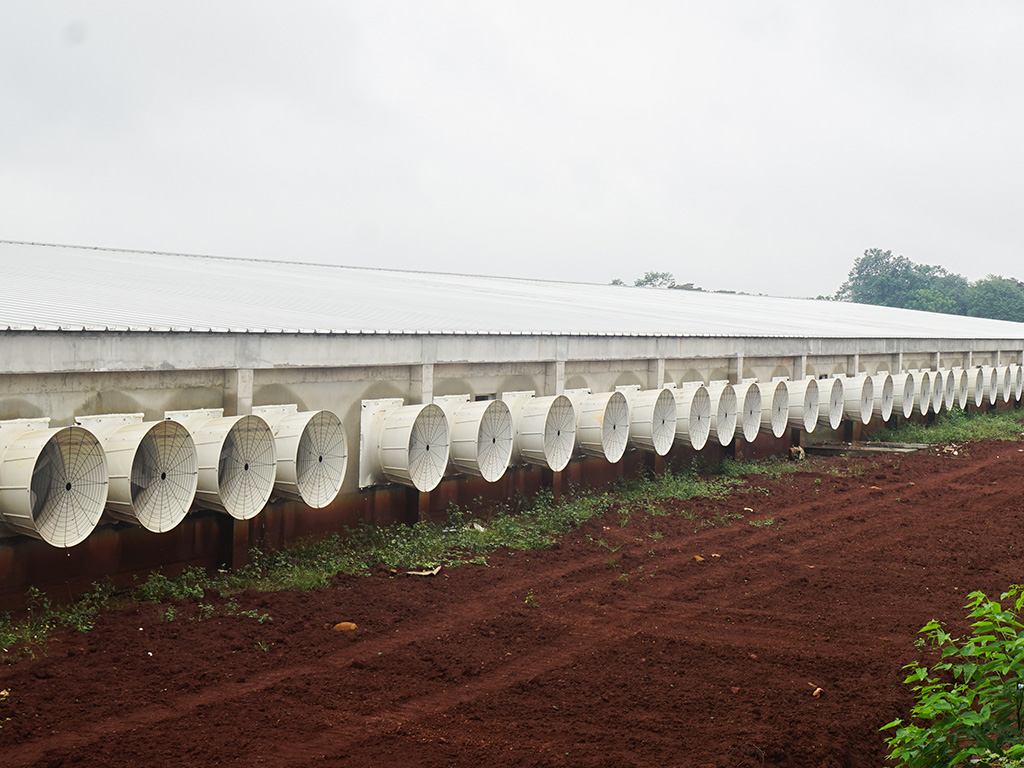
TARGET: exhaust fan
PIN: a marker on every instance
(804, 399)
(53, 482)
(775, 417)
(153, 468)
(311, 450)
(237, 463)
(602, 423)
(723, 411)
(652, 418)
(832, 400)
(748, 396)
(545, 429)
(481, 435)
(693, 414)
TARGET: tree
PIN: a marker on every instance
(616, 281)
(878, 277)
(655, 280)
(996, 297)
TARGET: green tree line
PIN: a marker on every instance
(880, 278)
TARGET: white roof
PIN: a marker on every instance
(66, 288)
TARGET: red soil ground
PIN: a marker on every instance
(644, 656)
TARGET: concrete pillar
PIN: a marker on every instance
(238, 384)
(999, 357)
(554, 377)
(738, 369)
(938, 360)
(799, 367)
(899, 362)
(853, 364)
(422, 389)
(656, 373)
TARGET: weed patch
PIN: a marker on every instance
(955, 426)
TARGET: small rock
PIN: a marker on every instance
(345, 626)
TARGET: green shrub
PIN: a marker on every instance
(970, 703)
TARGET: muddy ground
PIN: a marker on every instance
(619, 647)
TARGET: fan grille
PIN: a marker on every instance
(835, 403)
(963, 387)
(615, 427)
(559, 433)
(938, 392)
(246, 469)
(428, 448)
(68, 487)
(165, 471)
(321, 459)
(780, 409)
(751, 413)
(885, 400)
(923, 384)
(494, 441)
(1018, 382)
(663, 422)
(1006, 387)
(908, 397)
(700, 418)
(725, 416)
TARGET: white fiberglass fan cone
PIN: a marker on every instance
(903, 394)
(832, 401)
(922, 390)
(693, 415)
(1005, 383)
(602, 425)
(948, 388)
(976, 385)
(237, 464)
(804, 399)
(884, 388)
(858, 398)
(53, 482)
(724, 411)
(748, 397)
(775, 416)
(546, 431)
(962, 387)
(652, 419)
(1018, 381)
(481, 437)
(414, 446)
(154, 469)
(991, 384)
(938, 403)
(312, 453)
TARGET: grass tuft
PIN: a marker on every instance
(955, 426)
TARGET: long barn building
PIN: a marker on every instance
(164, 409)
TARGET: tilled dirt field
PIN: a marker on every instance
(619, 647)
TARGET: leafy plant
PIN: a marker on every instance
(970, 704)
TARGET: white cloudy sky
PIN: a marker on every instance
(757, 146)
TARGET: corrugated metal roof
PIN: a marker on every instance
(67, 288)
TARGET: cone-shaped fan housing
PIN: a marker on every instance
(832, 399)
(312, 453)
(804, 404)
(991, 384)
(774, 407)
(748, 397)
(545, 431)
(1005, 383)
(237, 464)
(938, 401)
(481, 438)
(976, 385)
(414, 446)
(948, 388)
(724, 411)
(961, 387)
(602, 425)
(858, 398)
(903, 394)
(923, 390)
(153, 466)
(693, 415)
(1018, 381)
(881, 407)
(652, 419)
(53, 482)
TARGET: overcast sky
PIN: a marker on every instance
(756, 146)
